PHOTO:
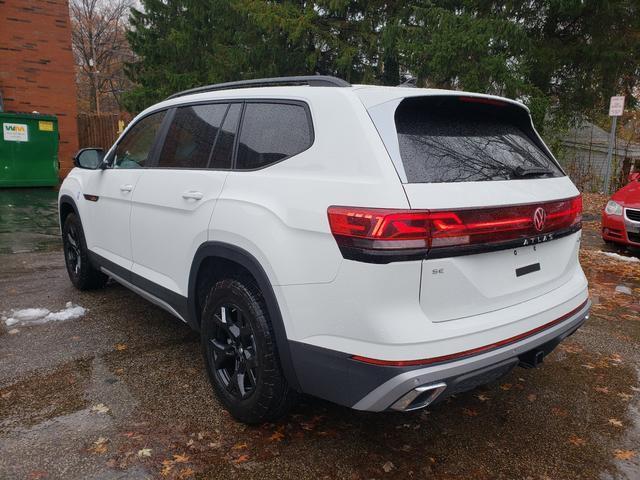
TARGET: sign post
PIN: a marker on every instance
(616, 108)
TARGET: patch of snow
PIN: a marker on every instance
(70, 312)
(621, 257)
(623, 289)
(37, 316)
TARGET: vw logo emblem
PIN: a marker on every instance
(539, 218)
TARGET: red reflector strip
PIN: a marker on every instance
(470, 352)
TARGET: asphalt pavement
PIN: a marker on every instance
(121, 392)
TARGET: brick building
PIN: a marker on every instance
(37, 68)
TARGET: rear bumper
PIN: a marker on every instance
(337, 377)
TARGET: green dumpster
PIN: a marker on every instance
(28, 150)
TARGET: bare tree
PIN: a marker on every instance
(100, 50)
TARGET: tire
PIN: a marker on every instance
(82, 274)
(241, 355)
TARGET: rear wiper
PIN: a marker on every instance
(521, 172)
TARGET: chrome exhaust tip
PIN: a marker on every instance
(419, 397)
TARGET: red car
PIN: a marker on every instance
(621, 216)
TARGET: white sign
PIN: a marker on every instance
(15, 132)
(616, 107)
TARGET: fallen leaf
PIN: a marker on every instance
(482, 397)
(601, 389)
(186, 473)
(276, 437)
(615, 357)
(239, 446)
(13, 331)
(120, 347)
(215, 444)
(37, 474)
(144, 452)
(99, 446)
(241, 459)
(570, 348)
(559, 411)
(167, 466)
(624, 454)
(100, 408)
(469, 412)
(625, 396)
(532, 397)
(180, 458)
(387, 467)
(506, 386)
(615, 422)
(576, 440)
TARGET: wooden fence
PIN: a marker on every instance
(100, 129)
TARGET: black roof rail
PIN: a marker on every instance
(311, 80)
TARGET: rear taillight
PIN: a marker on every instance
(385, 235)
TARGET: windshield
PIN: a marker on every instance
(458, 139)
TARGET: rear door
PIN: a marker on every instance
(505, 217)
(174, 199)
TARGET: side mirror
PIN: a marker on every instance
(89, 158)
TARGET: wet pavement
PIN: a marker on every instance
(121, 392)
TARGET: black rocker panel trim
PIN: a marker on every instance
(175, 300)
(249, 262)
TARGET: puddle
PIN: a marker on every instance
(38, 316)
(28, 220)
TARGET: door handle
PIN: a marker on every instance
(192, 195)
(126, 188)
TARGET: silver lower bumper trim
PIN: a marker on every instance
(419, 397)
(386, 395)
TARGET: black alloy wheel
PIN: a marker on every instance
(72, 250)
(231, 347)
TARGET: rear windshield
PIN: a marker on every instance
(458, 139)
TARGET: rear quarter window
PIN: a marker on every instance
(461, 139)
(272, 132)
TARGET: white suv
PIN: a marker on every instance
(378, 247)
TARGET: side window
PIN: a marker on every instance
(191, 136)
(271, 132)
(221, 157)
(133, 149)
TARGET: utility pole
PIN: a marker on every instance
(616, 107)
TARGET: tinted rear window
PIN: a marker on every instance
(272, 132)
(449, 139)
(191, 136)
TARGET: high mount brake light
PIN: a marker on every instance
(385, 235)
(486, 101)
